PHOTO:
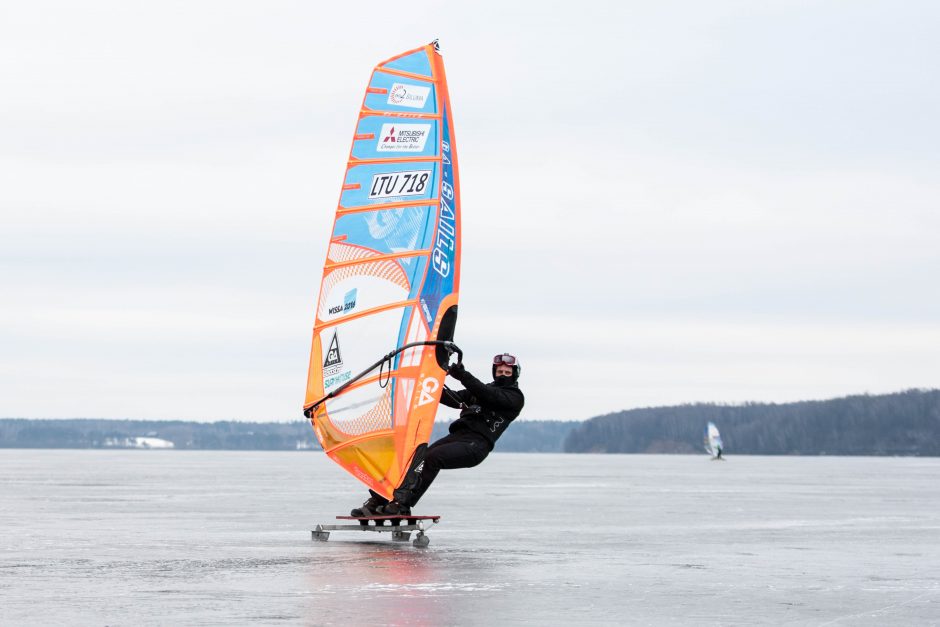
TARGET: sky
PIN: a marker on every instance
(663, 203)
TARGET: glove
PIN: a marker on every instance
(456, 370)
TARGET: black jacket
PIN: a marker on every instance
(487, 408)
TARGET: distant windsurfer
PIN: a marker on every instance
(486, 411)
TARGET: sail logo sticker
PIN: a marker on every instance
(426, 310)
(410, 183)
(349, 300)
(334, 360)
(349, 303)
(413, 96)
(403, 137)
(443, 253)
(445, 154)
(428, 387)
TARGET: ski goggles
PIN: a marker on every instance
(504, 358)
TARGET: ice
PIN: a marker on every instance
(164, 537)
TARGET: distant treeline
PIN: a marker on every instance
(905, 423)
(102, 433)
(525, 436)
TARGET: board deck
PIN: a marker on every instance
(409, 517)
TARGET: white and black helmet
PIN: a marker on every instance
(509, 360)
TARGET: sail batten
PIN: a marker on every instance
(365, 260)
(391, 276)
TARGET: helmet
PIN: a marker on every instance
(509, 360)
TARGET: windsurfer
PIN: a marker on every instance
(486, 411)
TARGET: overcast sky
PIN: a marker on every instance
(663, 202)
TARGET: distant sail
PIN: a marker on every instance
(713, 445)
(391, 276)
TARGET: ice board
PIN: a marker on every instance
(399, 526)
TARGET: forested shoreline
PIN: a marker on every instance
(903, 423)
(542, 436)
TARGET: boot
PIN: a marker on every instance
(372, 507)
(395, 509)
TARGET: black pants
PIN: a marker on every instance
(457, 450)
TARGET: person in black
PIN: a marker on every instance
(486, 411)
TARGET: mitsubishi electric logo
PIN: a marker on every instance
(334, 361)
(403, 137)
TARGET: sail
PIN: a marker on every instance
(391, 276)
(713, 444)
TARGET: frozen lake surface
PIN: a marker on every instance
(176, 537)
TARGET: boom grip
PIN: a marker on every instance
(453, 348)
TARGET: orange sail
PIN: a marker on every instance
(391, 277)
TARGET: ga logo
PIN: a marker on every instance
(429, 386)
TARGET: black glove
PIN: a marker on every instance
(456, 370)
